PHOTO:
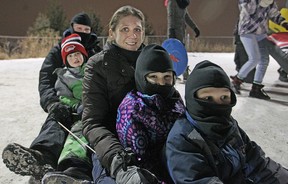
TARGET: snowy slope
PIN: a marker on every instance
(21, 115)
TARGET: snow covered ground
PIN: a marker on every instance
(21, 116)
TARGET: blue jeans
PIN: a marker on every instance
(99, 173)
(258, 56)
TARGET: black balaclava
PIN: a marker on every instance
(153, 58)
(210, 116)
(82, 18)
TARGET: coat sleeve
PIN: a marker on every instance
(47, 80)
(249, 6)
(275, 14)
(66, 92)
(61, 85)
(185, 157)
(259, 168)
(189, 21)
(96, 112)
(130, 128)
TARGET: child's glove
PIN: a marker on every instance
(125, 172)
(61, 113)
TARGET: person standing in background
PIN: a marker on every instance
(253, 28)
(177, 19)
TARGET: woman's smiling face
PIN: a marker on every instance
(129, 33)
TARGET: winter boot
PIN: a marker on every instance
(282, 75)
(258, 92)
(25, 161)
(33, 180)
(236, 82)
(61, 178)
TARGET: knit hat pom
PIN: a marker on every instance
(71, 44)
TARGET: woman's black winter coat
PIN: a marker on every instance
(108, 77)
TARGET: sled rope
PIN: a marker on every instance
(77, 138)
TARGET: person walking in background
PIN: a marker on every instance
(209, 140)
(177, 19)
(108, 77)
(147, 113)
(43, 154)
(277, 53)
(253, 28)
(240, 56)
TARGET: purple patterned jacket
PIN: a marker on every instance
(143, 122)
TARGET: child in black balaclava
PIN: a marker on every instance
(147, 113)
(210, 142)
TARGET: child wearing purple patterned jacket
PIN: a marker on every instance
(148, 112)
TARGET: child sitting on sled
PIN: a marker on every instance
(208, 146)
(69, 90)
(148, 112)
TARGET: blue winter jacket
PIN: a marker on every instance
(193, 158)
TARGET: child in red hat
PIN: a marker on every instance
(69, 90)
(69, 82)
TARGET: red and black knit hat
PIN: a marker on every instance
(71, 44)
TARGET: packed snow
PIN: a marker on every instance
(21, 115)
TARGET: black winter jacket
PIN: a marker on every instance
(52, 61)
(108, 77)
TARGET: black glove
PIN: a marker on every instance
(197, 32)
(61, 113)
(285, 25)
(125, 173)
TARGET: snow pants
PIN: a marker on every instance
(50, 141)
(72, 157)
